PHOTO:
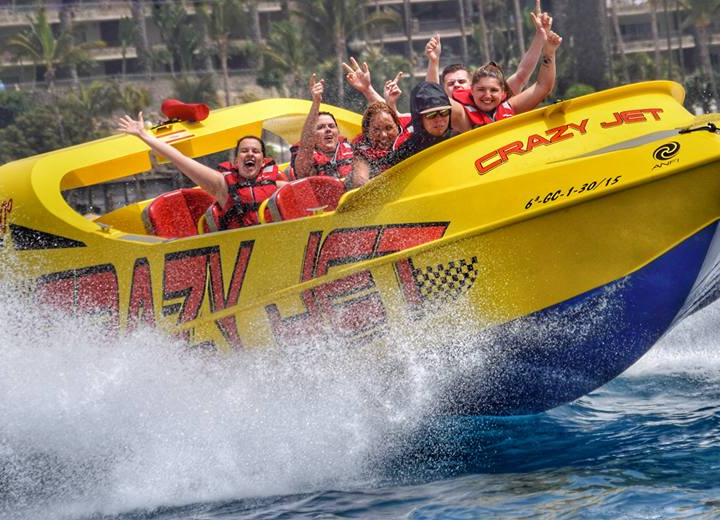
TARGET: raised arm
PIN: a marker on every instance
(392, 92)
(432, 51)
(543, 25)
(359, 79)
(458, 117)
(530, 98)
(304, 160)
(208, 179)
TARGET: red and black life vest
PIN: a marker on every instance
(477, 116)
(363, 148)
(245, 196)
(338, 166)
(405, 131)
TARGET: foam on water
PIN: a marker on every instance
(93, 422)
(692, 347)
(99, 424)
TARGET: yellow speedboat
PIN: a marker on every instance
(591, 223)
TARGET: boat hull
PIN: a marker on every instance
(563, 352)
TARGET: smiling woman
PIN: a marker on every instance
(430, 115)
(250, 180)
(381, 128)
(490, 98)
(322, 150)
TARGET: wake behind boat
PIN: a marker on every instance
(595, 219)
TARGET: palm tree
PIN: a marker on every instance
(255, 33)
(142, 45)
(655, 37)
(519, 27)
(619, 42)
(95, 101)
(126, 35)
(483, 30)
(288, 53)
(38, 43)
(702, 13)
(666, 12)
(180, 37)
(130, 99)
(332, 23)
(225, 16)
(681, 52)
(463, 31)
(66, 27)
(407, 17)
(202, 13)
(196, 89)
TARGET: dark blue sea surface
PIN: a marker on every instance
(135, 427)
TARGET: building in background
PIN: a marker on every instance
(456, 21)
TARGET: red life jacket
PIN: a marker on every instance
(360, 145)
(373, 156)
(407, 130)
(477, 116)
(246, 195)
(338, 166)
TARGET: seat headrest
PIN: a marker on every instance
(176, 109)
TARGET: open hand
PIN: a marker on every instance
(358, 77)
(128, 125)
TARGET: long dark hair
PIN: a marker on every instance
(376, 108)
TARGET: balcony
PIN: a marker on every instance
(92, 11)
(400, 2)
(84, 12)
(423, 30)
(647, 45)
(628, 7)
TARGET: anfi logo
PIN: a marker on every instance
(666, 151)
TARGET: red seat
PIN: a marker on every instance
(175, 214)
(305, 197)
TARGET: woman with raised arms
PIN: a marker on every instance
(238, 193)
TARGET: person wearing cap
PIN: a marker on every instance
(430, 110)
(321, 150)
(239, 192)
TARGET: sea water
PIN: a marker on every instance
(96, 425)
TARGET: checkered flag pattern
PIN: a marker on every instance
(445, 283)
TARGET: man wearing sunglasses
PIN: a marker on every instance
(430, 111)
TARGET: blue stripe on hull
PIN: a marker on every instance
(564, 352)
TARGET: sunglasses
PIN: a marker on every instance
(441, 113)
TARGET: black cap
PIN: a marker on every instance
(428, 97)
